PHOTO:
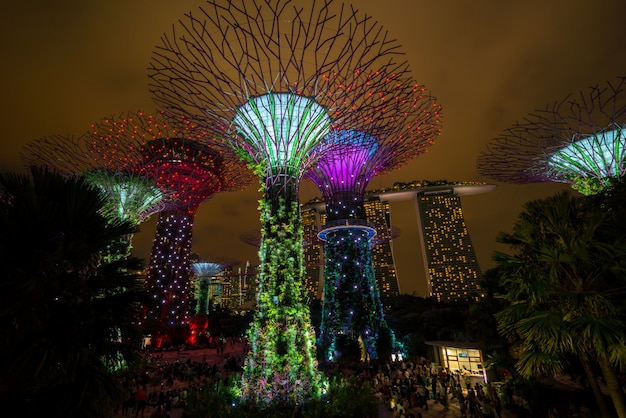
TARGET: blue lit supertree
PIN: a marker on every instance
(580, 141)
(185, 163)
(352, 312)
(273, 78)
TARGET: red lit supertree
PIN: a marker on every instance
(129, 195)
(273, 78)
(187, 165)
(580, 141)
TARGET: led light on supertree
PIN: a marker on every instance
(579, 141)
(352, 312)
(129, 195)
(189, 166)
(272, 77)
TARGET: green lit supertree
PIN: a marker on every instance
(580, 141)
(128, 194)
(273, 78)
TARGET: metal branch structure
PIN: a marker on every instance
(273, 78)
(129, 195)
(580, 141)
(189, 166)
(352, 311)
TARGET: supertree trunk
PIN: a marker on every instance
(352, 310)
(281, 364)
(202, 298)
(170, 271)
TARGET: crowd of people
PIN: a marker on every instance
(168, 377)
(407, 388)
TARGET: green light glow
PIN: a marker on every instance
(283, 125)
(590, 162)
(128, 197)
(281, 365)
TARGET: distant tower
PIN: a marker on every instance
(451, 267)
(129, 195)
(352, 311)
(453, 270)
(272, 78)
(580, 141)
(184, 162)
(378, 212)
(313, 253)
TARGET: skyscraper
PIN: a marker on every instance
(377, 211)
(312, 218)
(452, 267)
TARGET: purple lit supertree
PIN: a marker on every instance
(188, 166)
(580, 141)
(273, 79)
(129, 195)
(352, 312)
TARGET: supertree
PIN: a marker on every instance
(207, 281)
(208, 285)
(580, 141)
(129, 195)
(352, 311)
(188, 165)
(273, 78)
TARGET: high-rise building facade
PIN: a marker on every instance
(313, 251)
(377, 211)
(451, 265)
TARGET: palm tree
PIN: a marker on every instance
(561, 286)
(67, 318)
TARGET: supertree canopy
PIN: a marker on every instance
(352, 311)
(187, 165)
(273, 78)
(129, 195)
(579, 141)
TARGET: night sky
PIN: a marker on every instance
(67, 64)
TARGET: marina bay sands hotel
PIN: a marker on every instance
(451, 267)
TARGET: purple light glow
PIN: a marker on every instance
(345, 166)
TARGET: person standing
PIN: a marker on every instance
(140, 398)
